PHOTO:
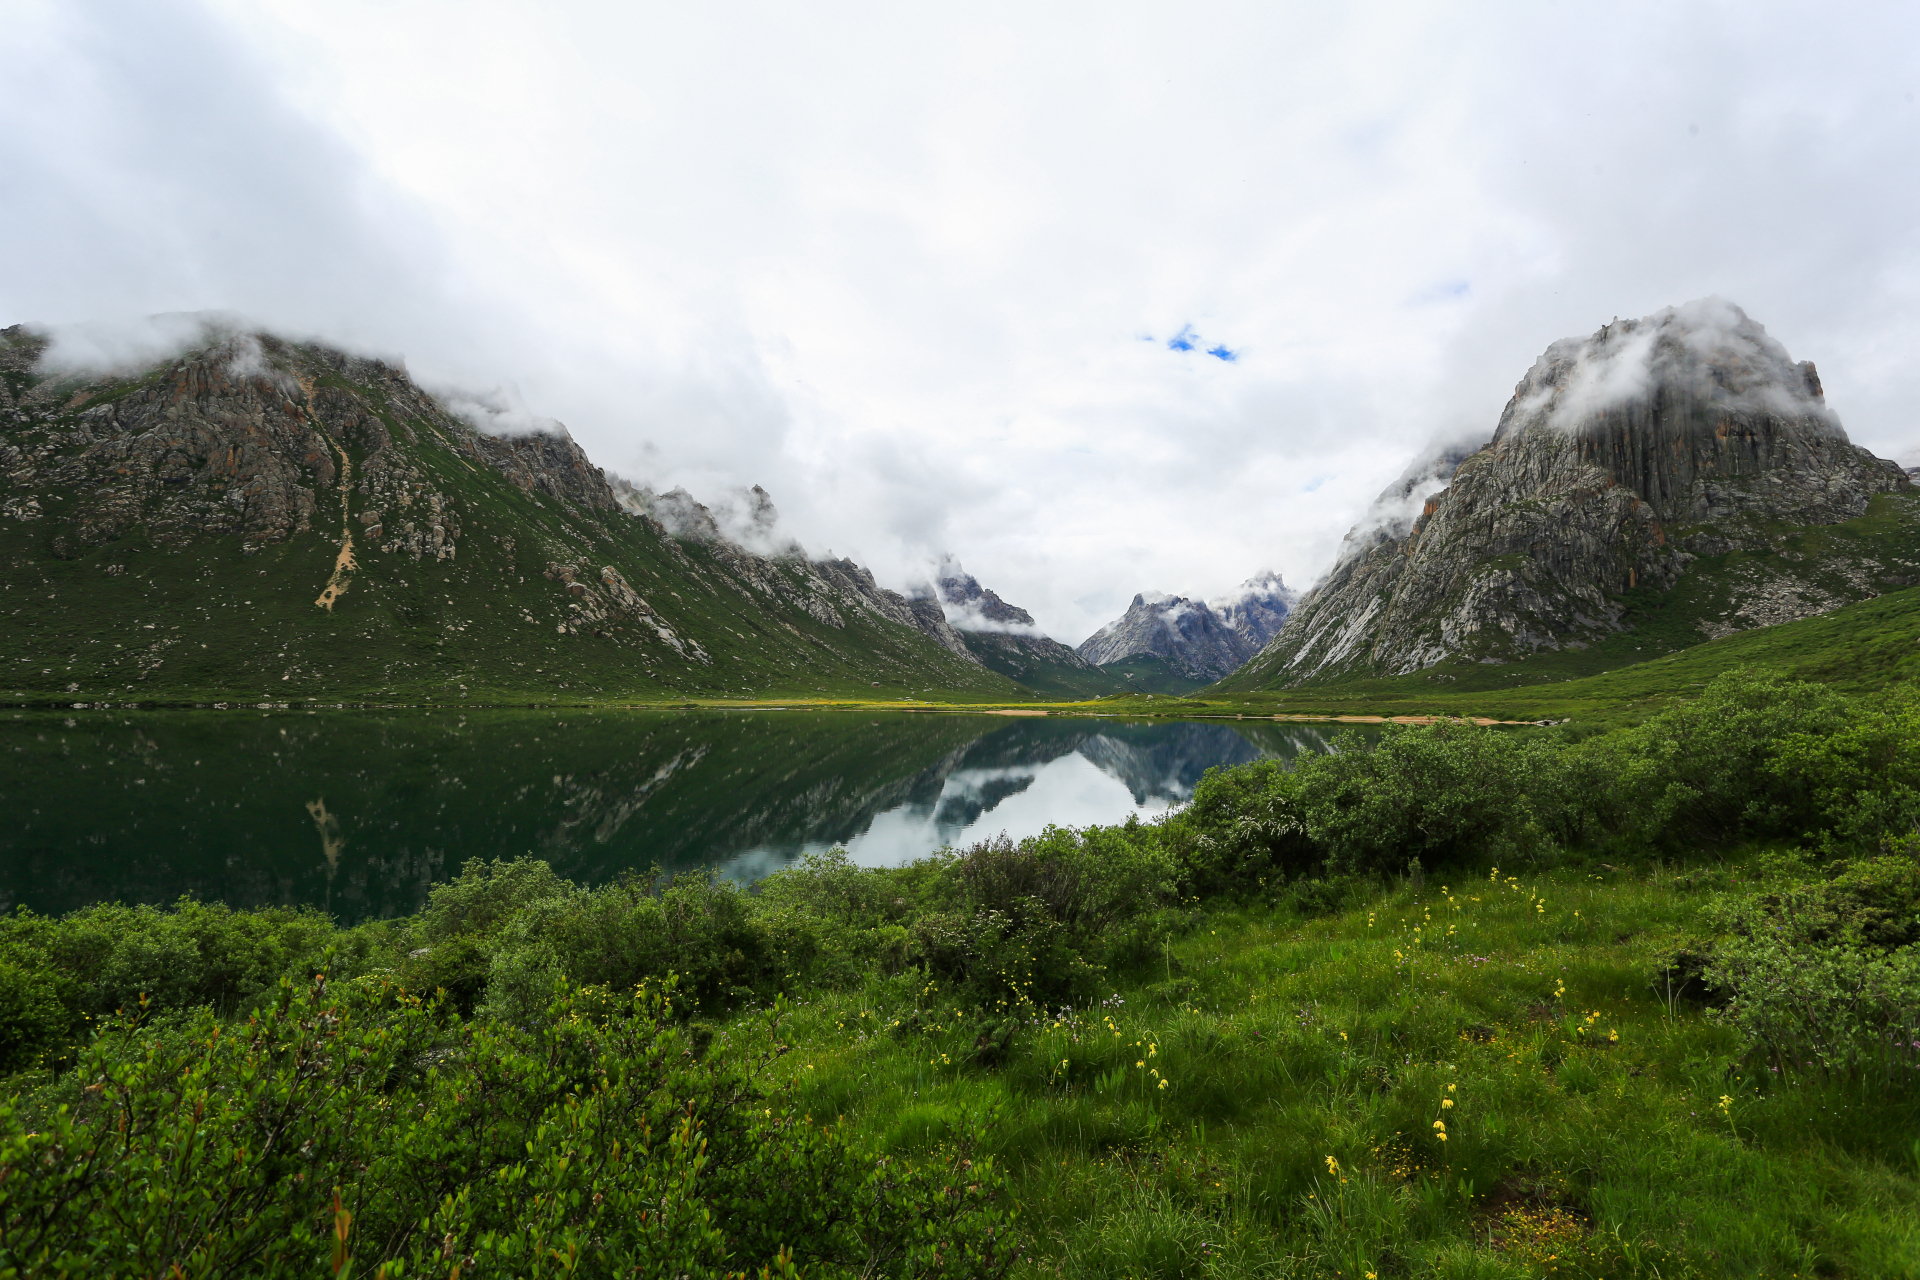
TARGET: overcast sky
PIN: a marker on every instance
(1098, 297)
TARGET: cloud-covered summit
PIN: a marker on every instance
(1707, 351)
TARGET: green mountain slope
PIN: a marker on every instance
(1151, 673)
(1047, 667)
(1718, 599)
(1856, 648)
(265, 520)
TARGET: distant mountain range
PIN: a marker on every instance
(1006, 639)
(1171, 644)
(952, 609)
(257, 519)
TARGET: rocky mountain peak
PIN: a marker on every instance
(1199, 640)
(1256, 609)
(1187, 634)
(1622, 458)
(972, 607)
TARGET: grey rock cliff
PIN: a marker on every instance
(1202, 640)
(1621, 458)
(1188, 634)
(1005, 638)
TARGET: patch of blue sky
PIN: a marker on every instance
(1445, 291)
(1185, 340)
(1314, 483)
(1223, 353)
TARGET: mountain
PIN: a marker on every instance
(1005, 638)
(1170, 644)
(264, 519)
(1677, 476)
(1256, 609)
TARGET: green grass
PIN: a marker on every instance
(1148, 673)
(1855, 648)
(1587, 1135)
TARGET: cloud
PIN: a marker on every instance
(966, 616)
(1709, 348)
(129, 344)
(501, 411)
(894, 264)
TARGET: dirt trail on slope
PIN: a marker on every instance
(343, 564)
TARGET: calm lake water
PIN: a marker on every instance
(359, 812)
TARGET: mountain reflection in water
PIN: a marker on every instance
(360, 812)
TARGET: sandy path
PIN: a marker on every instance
(343, 564)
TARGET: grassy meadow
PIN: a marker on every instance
(1464, 1079)
(1452, 1001)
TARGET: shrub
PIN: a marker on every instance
(1701, 771)
(57, 973)
(1441, 792)
(1825, 976)
(486, 894)
(1838, 1010)
(1243, 830)
(343, 1127)
(1861, 776)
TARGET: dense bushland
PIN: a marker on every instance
(357, 1123)
(456, 1071)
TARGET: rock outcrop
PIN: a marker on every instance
(1200, 640)
(1005, 638)
(1622, 458)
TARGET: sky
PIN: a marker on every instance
(1099, 298)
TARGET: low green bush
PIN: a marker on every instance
(1825, 975)
(345, 1126)
(60, 974)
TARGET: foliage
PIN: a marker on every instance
(59, 973)
(1863, 776)
(1701, 771)
(1825, 975)
(1439, 792)
(350, 1127)
(1839, 1010)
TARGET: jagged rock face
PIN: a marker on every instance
(1256, 609)
(978, 608)
(236, 438)
(1187, 633)
(1621, 458)
(1004, 637)
(1202, 640)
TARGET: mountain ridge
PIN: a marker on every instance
(1172, 644)
(1005, 638)
(1623, 459)
(288, 519)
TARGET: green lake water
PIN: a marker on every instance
(359, 812)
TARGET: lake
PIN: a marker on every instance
(360, 812)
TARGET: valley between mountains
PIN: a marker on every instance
(265, 520)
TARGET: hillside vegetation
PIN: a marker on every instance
(1468, 1002)
(260, 519)
(1856, 648)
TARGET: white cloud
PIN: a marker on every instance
(899, 266)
